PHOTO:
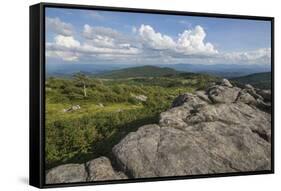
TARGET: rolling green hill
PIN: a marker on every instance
(108, 108)
(258, 80)
(142, 71)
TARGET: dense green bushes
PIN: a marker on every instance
(67, 138)
(109, 110)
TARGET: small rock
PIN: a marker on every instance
(100, 105)
(66, 174)
(141, 97)
(202, 95)
(248, 86)
(223, 94)
(72, 108)
(180, 100)
(225, 82)
(75, 107)
(245, 97)
(101, 169)
(94, 170)
(254, 93)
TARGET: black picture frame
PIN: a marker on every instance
(37, 92)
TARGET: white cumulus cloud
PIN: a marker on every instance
(63, 54)
(59, 27)
(99, 42)
(63, 47)
(144, 44)
(90, 32)
(66, 41)
(189, 43)
(154, 39)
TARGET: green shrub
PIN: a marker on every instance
(93, 131)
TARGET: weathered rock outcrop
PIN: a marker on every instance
(66, 174)
(224, 129)
(94, 170)
(101, 169)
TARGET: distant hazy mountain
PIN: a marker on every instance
(141, 71)
(70, 69)
(258, 80)
(223, 70)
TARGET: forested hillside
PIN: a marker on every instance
(258, 80)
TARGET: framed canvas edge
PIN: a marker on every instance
(35, 100)
(154, 11)
(41, 94)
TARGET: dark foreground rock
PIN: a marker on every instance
(223, 129)
(217, 131)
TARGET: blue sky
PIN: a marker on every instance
(88, 36)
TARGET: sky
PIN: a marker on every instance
(107, 37)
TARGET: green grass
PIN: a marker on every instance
(55, 110)
(93, 130)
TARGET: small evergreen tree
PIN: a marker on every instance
(83, 81)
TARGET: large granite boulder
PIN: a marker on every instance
(196, 136)
(136, 153)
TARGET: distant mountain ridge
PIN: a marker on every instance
(70, 69)
(258, 80)
(141, 71)
(221, 70)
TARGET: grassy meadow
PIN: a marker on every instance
(109, 108)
